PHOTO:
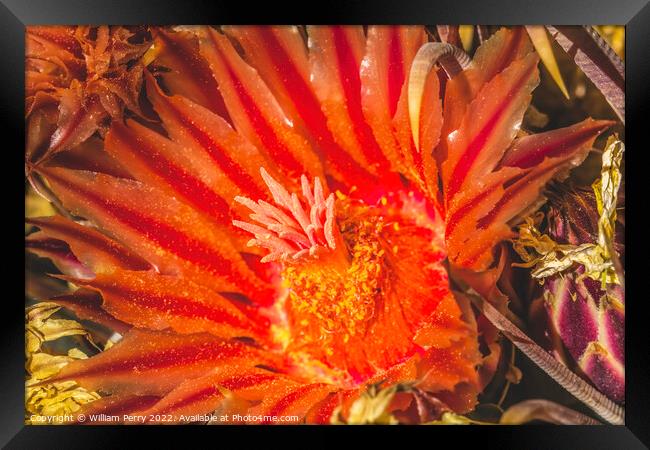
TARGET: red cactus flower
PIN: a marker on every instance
(278, 244)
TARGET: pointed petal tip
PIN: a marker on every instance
(540, 39)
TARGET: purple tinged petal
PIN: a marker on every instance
(575, 316)
(607, 375)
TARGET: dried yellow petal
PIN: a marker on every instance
(606, 190)
(47, 404)
(466, 33)
(44, 328)
(44, 404)
(371, 407)
(542, 43)
(548, 258)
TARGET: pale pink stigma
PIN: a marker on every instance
(292, 227)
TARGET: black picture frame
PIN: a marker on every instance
(16, 14)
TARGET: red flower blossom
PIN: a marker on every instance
(278, 244)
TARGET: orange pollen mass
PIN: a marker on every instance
(346, 269)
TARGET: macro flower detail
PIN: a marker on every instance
(303, 231)
(269, 238)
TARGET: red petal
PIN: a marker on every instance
(279, 55)
(531, 150)
(190, 75)
(292, 399)
(91, 247)
(79, 118)
(478, 217)
(255, 112)
(572, 145)
(156, 160)
(421, 167)
(87, 305)
(489, 125)
(154, 363)
(89, 155)
(205, 394)
(321, 413)
(168, 233)
(390, 51)
(445, 326)
(335, 57)
(492, 57)
(222, 157)
(58, 45)
(384, 69)
(40, 124)
(116, 405)
(453, 372)
(154, 301)
(281, 50)
(58, 252)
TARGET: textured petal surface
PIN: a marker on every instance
(94, 249)
(153, 363)
(154, 301)
(170, 235)
(492, 57)
(87, 305)
(255, 112)
(220, 156)
(281, 50)
(335, 57)
(489, 125)
(188, 74)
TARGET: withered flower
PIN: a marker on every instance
(576, 262)
(77, 79)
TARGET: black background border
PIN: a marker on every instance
(15, 14)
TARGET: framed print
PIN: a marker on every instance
(280, 221)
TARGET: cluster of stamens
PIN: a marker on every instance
(292, 228)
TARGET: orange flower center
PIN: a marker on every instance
(346, 272)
